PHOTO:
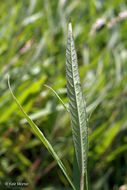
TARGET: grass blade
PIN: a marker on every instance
(43, 139)
(57, 96)
(76, 107)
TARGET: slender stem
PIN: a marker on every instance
(82, 182)
(86, 180)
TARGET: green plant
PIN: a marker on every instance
(77, 110)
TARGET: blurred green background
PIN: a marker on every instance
(33, 37)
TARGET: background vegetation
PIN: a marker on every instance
(33, 37)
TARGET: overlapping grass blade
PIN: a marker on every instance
(76, 173)
(57, 96)
(43, 139)
(76, 107)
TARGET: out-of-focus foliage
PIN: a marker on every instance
(33, 37)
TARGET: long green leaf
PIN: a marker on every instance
(43, 139)
(77, 107)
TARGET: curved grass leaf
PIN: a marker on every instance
(77, 107)
(43, 139)
(57, 96)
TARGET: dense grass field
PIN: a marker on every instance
(33, 37)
